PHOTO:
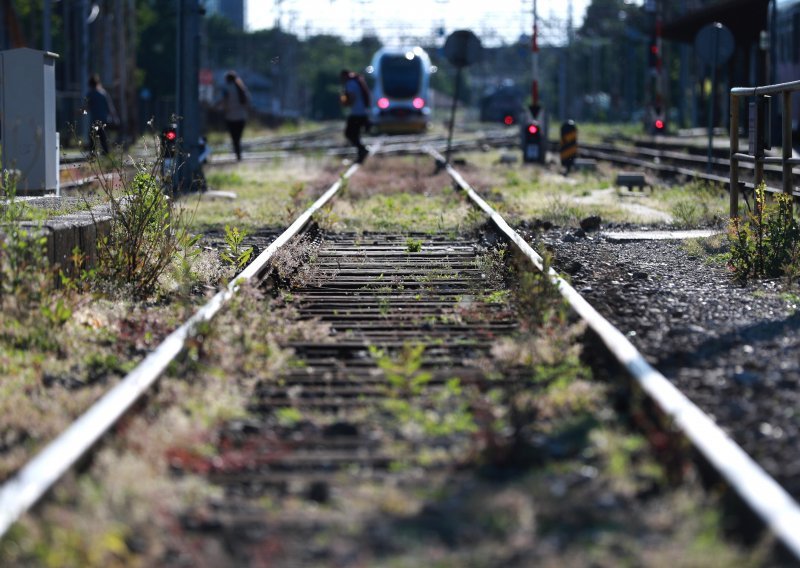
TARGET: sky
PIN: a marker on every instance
(494, 21)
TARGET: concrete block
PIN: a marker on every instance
(631, 180)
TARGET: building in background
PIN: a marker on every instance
(234, 10)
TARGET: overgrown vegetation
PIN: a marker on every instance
(147, 230)
(23, 253)
(67, 330)
(766, 243)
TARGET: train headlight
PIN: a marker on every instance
(383, 103)
(418, 102)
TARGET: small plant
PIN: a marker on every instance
(766, 244)
(234, 254)
(403, 372)
(413, 245)
(497, 297)
(536, 295)
(288, 417)
(78, 278)
(685, 213)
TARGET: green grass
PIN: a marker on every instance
(267, 194)
(404, 212)
(696, 204)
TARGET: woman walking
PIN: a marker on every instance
(235, 101)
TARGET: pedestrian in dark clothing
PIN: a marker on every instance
(356, 96)
(101, 114)
(235, 102)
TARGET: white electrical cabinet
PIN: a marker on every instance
(28, 119)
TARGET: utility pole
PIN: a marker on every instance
(83, 59)
(535, 107)
(47, 39)
(122, 70)
(188, 108)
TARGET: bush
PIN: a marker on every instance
(147, 230)
(765, 243)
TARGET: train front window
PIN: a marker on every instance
(400, 76)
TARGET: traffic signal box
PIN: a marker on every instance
(169, 157)
(569, 144)
(169, 141)
(653, 56)
(532, 150)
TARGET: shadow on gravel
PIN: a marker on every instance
(712, 347)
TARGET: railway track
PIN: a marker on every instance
(379, 300)
(380, 294)
(671, 161)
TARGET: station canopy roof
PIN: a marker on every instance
(745, 19)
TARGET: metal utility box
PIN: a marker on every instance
(28, 119)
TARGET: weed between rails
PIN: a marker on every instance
(537, 380)
(234, 254)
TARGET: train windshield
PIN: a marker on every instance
(401, 76)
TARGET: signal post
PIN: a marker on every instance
(534, 133)
(188, 169)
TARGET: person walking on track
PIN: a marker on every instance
(355, 96)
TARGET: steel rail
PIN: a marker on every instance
(777, 509)
(34, 479)
(594, 151)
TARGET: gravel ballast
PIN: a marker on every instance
(731, 349)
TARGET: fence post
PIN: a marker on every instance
(734, 136)
(786, 144)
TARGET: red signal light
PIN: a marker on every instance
(508, 120)
(418, 102)
(659, 124)
(170, 135)
(533, 129)
(383, 103)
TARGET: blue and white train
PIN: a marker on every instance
(400, 90)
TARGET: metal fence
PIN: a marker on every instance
(759, 136)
